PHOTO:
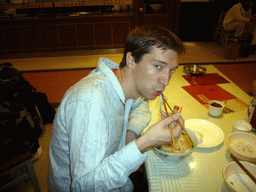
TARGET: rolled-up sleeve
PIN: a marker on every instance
(140, 116)
(92, 168)
(87, 148)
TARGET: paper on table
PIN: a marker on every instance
(206, 79)
(204, 94)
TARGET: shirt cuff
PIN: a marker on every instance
(135, 130)
(134, 159)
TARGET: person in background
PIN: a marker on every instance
(240, 20)
(96, 140)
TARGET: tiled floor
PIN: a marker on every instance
(198, 52)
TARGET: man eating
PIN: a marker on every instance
(96, 140)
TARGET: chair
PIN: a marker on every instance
(221, 36)
(24, 163)
(225, 37)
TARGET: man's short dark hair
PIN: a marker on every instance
(245, 1)
(140, 41)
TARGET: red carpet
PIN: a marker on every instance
(242, 74)
(54, 83)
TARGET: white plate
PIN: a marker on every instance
(212, 135)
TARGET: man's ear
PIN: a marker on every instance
(130, 62)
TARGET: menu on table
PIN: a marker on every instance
(206, 79)
(204, 94)
(204, 88)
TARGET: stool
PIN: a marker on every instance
(225, 37)
(24, 163)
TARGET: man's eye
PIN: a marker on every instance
(157, 66)
(172, 70)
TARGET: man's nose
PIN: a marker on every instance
(165, 78)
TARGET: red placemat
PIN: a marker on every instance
(204, 94)
(206, 79)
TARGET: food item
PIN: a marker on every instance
(214, 104)
(244, 148)
(182, 146)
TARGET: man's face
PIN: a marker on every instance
(153, 73)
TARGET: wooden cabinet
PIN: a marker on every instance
(85, 35)
(49, 36)
(167, 16)
(57, 36)
(108, 30)
(30, 37)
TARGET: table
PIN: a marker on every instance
(202, 170)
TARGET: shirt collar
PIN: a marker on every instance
(106, 66)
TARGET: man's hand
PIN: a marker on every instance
(164, 115)
(159, 133)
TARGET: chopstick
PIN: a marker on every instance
(254, 88)
(165, 102)
(243, 168)
(173, 141)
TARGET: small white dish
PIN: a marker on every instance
(236, 179)
(210, 134)
(216, 108)
(241, 126)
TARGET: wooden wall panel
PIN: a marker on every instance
(2, 40)
(31, 37)
(13, 38)
(49, 36)
(67, 35)
(161, 20)
(85, 34)
(57, 34)
(120, 32)
(103, 34)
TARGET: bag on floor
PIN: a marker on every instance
(21, 126)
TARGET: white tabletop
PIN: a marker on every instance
(202, 170)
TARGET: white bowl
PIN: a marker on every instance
(242, 145)
(216, 110)
(236, 179)
(177, 157)
(241, 126)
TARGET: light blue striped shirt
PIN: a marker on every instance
(87, 148)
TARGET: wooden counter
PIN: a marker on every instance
(51, 33)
